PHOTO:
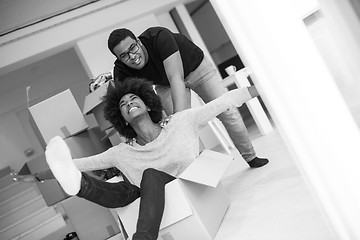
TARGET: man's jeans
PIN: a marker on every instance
(113, 195)
(205, 81)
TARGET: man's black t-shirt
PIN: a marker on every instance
(160, 44)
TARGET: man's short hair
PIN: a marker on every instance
(117, 36)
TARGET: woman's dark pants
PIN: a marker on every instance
(114, 195)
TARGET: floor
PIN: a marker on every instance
(272, 202)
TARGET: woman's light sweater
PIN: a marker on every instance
(173, 150)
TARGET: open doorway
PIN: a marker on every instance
(220, 48)
(214, 35)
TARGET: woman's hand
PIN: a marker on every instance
(23, 178)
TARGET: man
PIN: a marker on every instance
(175, 65)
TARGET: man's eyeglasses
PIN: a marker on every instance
(124, 57)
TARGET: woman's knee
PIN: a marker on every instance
(150, 172)
(153, 176)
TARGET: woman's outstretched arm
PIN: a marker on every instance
(233, 98)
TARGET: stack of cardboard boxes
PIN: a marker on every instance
(61, 116)
(94, 104)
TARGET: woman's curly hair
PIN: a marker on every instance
(141, 88)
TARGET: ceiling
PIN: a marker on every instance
(194, 6)
(18, 14)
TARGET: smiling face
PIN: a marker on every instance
(131, 52)
(131, 106)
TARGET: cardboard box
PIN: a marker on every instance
(49, 189)
(90, 220)
(196, 201)
(58, 115)
(118, 236)
(88, 143)
(84, 144)
(94, 104)
(114, 137)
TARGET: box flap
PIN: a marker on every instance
(208, 168)
(95, 98)
(177, 206)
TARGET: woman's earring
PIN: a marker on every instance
(126, 123)
(149, 110)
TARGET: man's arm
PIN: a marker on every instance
(175, 73)
(233, 98)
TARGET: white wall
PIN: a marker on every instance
(305, 103)
(12, 142)
(63, 32)
(45, 78)
(165, 20)
(335, 32)
(94, 53)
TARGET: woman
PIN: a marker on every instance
(169, 146)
